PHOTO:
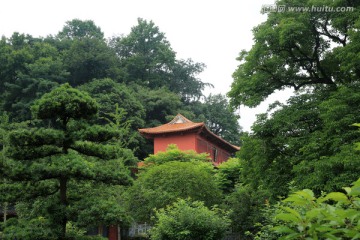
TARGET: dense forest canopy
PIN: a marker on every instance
(309, 141)
(139, 68)
(71, 105)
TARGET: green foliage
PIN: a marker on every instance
(173, 153)
(33, 68)
(185, 219)
(108, 93)
(228, 174)
(89, 58)
(159, 104)
(95, 203)
(298, 50)
(146, 55)
(335, 215)
(185, 81)
(310, 140)
(65, 103)
(161, 185)
(56, 163)
(38, 228)
(246, 205)
(219, 118)
(78, 29)
(149, 61)
(118, 107)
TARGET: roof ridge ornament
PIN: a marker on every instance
(179, 119)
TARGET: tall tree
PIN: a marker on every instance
(148, 60)
(221, 119)
(297, 50)
(89, 58)
(38, 73)
(169, 176)
(108, 93)
(68, 151)
(118, 105)
(185, 81)
(309, 141)
(79, 29)
(146, 55)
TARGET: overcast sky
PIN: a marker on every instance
(208, 31)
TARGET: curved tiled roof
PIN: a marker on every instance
(182, 124)
(215, 137)
(168, 128)
(178, 124)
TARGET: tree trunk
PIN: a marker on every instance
(63, 200)
(5, 211)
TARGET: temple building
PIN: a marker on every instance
(188, 135)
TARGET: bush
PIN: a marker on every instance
(332, 216)
(186, 220)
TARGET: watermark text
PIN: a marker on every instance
(267, 8)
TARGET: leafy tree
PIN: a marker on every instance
(89, 58)
(69, 151)
(309, 140)
(245, 205)
(228, 174)
(220, 119)
(118, 107)
(189, 220)
(173, 153)
(146, 55)
(29, 68)
(108, 93)
(185, 81)
(335, 215)
(160, 185)
(79, 29)
(331, 150)
(159, 104)
(149, 61)
(39, 74)
(298, 50)
(29, 229)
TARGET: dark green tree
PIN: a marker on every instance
(79, 29)
(297, 50)
(119, 106)
(185, 81)
(168, 176)
(307, 142)
(146, 55)
(246, 209)
(148, 60)
(189, 220)
(220, 119)
(108, 93)
(228, 174)
(66, 151)
(89, 58)
(39, 73)
(160, 105)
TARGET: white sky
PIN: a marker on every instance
(208, 31)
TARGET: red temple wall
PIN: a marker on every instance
(192, 141)
(183, 141)
(217, 154)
